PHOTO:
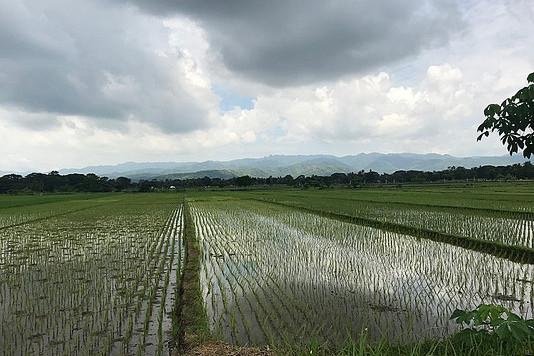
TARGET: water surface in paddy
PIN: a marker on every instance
(90, 285)
(271, 274)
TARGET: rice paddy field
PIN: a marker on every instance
(89, 276)
(103, 274)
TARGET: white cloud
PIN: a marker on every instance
(104, 62)
(167, 109)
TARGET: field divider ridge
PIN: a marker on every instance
(192, 324)
(513, 253)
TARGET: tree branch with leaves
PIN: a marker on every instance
(513, 120)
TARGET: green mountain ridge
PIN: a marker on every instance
(295, 165)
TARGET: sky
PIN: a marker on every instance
(89, 82)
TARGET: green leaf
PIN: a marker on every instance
(503, 332)
(512, 316)
(519, 330)
(482, 135)
(492, 109)
(530, 324)
(530, 78)
(457, 313)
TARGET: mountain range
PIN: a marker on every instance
(295, 165)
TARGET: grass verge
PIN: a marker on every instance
(459, 344)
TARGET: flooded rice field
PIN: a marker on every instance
(272, 274)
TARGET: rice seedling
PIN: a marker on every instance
(102, 280)
(278, 276)
(511, 228)
(131, 274)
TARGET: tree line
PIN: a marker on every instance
(361, 178)
(54, 182)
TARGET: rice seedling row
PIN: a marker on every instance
(512, 229)
(98, 281)
(269, 299)
(15, 215)
(507, 198)
(239, 299)
(275, 275)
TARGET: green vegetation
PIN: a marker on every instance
(344, 177)
(280, 276)
(191, 323)
(513, 120)
(495, 323)
(502, 218)
(337, 271)
(97, 278)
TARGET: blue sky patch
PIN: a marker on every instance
(230, 99)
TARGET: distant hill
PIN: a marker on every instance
(295, 165)
(223, 174)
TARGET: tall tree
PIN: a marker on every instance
(513, 120)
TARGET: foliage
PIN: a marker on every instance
(513, 119)
(244, 181)
(488, 330)
(54, 182)
(495, 324)
(355, 179)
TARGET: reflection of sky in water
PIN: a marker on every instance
(517, 231)
(328, 279)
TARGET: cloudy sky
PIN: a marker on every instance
(106, 81)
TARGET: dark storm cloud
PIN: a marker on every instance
(288, 42)
(89, 59)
